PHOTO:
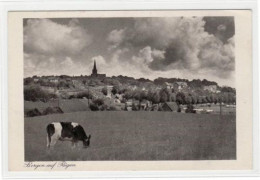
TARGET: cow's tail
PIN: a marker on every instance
(50, 131)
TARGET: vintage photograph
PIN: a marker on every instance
(129, 88)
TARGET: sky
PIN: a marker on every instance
(170, 47)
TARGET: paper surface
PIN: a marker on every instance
(243, 71)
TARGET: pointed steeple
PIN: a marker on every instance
(94, 70)
(95, 64)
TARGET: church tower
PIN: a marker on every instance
(94, 70)
(95, 73)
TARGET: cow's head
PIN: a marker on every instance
(86, 142)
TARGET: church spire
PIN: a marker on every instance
(94, 70)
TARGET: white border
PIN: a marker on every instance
(126, 5)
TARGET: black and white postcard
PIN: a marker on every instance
(130, 90)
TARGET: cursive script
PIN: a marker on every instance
(51, 165)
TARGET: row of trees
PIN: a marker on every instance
(165, 95)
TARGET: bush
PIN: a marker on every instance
(190, 109)
(98, 102)
(33, 112)
(112, 108)
(103, 107)
(104, 91)
(123, 100)
(135, 107)
(72, 96)
(35, 93)
(179, 109)
(28, 81)
(52, 110)
(93, 107)
(85, 94)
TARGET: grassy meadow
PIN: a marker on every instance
(139, 135)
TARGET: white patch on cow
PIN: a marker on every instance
(74, 124)
(58, 129)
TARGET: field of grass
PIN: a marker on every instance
(137, 136)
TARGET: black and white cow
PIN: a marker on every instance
(66, 131)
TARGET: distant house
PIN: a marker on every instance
(169, 85)
(36, 79)
(68, 79)
(54, 80)
(145, 105)
(132, 87)
(109, 89)
(117, 101)
(158, 88)
(119, 97)
(180, 85)
(143, 89)
(211, 88)
(135, 105)
(155, 107)
(170, 106)
(74, 81)
(129, 105)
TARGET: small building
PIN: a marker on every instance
(117, 101)
(168, 85)
(109, 89)
(211, 88)
(36, 79)
(170, 106)
(119, 97)
(128, 105)
(180, 85)
(155, 107)
(53, 79)
(145, 105)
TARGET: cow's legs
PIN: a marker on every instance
(48, 141)
(54, 139)
(74, 144)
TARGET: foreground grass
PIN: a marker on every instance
(137, 136)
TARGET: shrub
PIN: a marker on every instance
(135, 107)
(114, 90)
(35, 93)
(103, 107)
(123, 100)
(72, 96)
(33, 112)
(112, 108)
(104, 91)
(93, 107)
(190, 109)
(85, 94)
(28, 81)
(98, 102)
(52, 110)
(179, 109)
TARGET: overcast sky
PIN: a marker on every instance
(182, 47)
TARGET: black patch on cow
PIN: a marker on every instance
(79, 133)
(50, 131)
(67, 130)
